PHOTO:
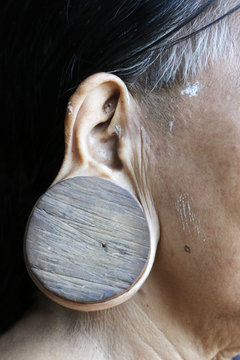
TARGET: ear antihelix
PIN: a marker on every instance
(87, 244)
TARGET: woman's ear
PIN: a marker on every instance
(99, 236)
(96, 118)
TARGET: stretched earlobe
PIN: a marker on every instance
(87, 244)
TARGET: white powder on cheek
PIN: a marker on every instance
(171, 126)
(70, 108)
(191, 90)
(189, 221)
(181, 209)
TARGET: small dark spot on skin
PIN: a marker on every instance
(187, 249)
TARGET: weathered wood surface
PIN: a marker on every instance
(87, 240)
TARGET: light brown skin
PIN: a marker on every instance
(188, 181)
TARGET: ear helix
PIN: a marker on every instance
(87, 243)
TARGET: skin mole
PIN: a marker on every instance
(187, 249)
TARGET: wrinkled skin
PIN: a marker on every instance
(187, 179)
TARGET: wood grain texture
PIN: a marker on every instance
(87, 240)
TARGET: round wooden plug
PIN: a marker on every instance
(87, 242)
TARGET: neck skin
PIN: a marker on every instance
(151, 325)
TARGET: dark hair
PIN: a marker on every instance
(48, 48)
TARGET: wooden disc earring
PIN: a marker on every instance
(87, 243)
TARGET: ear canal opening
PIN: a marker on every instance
(118, 165)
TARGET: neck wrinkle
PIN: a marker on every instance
(145, 327)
